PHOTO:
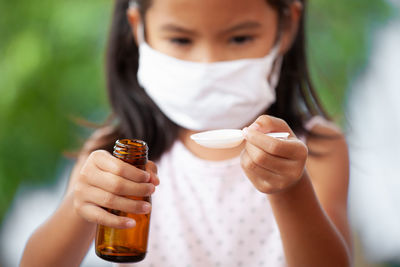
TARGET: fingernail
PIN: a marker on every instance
(254, 126)
(154, 189)
(245, 131)
(130, 223)
(146, 207)
(157, 180)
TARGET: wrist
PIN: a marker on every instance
(293, 190)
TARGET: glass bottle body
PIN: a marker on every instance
(126, 245)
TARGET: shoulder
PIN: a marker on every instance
(328, 153)
(328, 160)
(325, 137)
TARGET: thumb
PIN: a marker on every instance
(269, 124)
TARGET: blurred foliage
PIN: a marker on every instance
(51, 70)
(339, 34)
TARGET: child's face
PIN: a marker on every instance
(212, 30)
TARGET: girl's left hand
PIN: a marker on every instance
(273, 165)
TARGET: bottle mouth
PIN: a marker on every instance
(126, 146)
(131, 143)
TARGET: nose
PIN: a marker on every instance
(209, 53)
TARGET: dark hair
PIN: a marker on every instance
(137, 115)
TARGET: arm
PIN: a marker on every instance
(310, 206)
(309, 234)
(97, 180)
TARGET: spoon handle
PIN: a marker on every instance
(279, 135)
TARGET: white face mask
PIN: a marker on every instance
(205, 96)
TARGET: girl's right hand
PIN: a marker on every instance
(104, 182)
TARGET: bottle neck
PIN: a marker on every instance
(134, 152)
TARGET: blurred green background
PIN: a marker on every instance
(51, 72)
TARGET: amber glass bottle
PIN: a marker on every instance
(126, 245)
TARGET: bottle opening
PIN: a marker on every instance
(130, 143)
(128, 146)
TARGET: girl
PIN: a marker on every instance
(176, 67)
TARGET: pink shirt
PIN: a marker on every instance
(207, 213)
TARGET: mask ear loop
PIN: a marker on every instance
(273, 78)
(140, 29)
(140, 33)
(276, 72)
(133, 4)
(277, 65)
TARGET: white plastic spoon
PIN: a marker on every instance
(226, 138)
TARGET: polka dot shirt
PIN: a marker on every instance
(207, 213)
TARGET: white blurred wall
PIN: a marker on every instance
(29, 210)
(373, 135)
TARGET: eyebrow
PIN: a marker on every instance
(241, 26)
(178, 29)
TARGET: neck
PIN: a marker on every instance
(208, 153)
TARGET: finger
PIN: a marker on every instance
(287, 169)
(289, 149)
(264, 180)
(118, 185)
(268, 161)
(108, 163)
(151, 167)
(268, 124)
(100, 216)
(248, 165)
(108, 200)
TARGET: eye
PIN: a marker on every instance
(181, 41)
(241, 39)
